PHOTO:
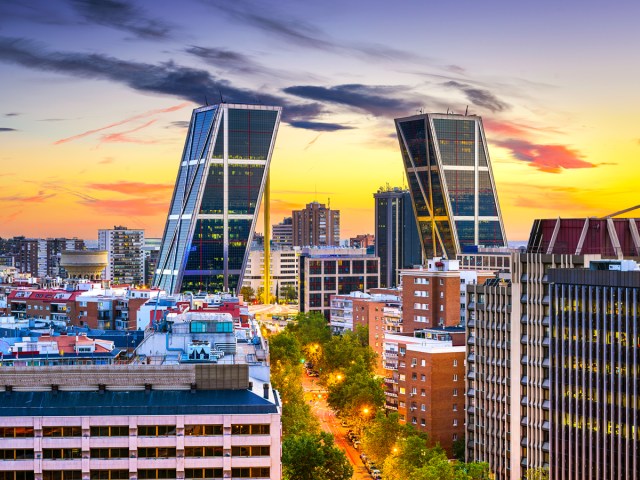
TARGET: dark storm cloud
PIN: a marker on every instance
(123, 16)
(226, 59)
(480, 97)
(379, 101)
(7, 129)
(166, 78)
(319, 126)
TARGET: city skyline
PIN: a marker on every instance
(97, 98)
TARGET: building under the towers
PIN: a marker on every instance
(219, 186)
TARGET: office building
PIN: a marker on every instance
(397, 240)
(451, 183)
(595, 372)
(186, 421)
(219, 186)
(505, 346)
(125, 254)
(334, 271)
(282, 233)
(151, 252)
(607, 236)
(316, 226)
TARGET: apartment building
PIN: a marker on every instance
(284, 269)
(316, 225)
(125, 254)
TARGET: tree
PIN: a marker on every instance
(537, 474)
(458, 449)
(289, 293)
(314, 457)
(248, 294)
(382, 434)
(311, 328)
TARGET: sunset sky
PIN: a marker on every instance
(95, 98)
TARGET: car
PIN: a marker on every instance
(371, 466)
(356, 444)
(364, 458)
(375, 473)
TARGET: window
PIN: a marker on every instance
(455, 392)
(441, 294)
(423, 377)
(423, 393)
(455, 437)
(423, 407)
(250, 451)
(61, 453)
(62, 475)
(442, 308)
(423, 363)
(156, 452)
(109, 453)
(414, 420)
(61, 431)
(203, 430)
(455, 422)
(455, 407)
(115, 431)
(423, 422)
(455, 377)
(414, 376)
(156, 430)
(441, 281)
(16, 432)
(110, 474)
(203, 452)
(455, 363)
(144, 474)
(414, 362)
(16, 454)
(251, 472)
(202, 473)
(250, 430)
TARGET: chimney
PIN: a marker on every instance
(250, 385)
(266, 390)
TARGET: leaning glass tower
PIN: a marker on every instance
(451, 183)
(214, 209)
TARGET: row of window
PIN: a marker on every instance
(154, 473)
(143, 431)
(148, 452)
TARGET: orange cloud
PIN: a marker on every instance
(40, 197)
(122, 137)
(129, 208)
(132, 188)
(140, 116)
(546, 158)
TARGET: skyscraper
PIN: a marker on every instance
(452, 187)
(397, 242)
(213, 213)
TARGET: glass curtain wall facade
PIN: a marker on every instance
(397, 243)
(217, 197)
(451, 183)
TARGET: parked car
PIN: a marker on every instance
(375, 473)
(356, 444)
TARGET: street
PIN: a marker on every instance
(330, 423)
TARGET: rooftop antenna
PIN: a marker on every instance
(221, 98)
(206, 102)
(466, 112)
(447, 111)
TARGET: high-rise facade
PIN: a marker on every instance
(124, 247)
(316, 226)
(41, 257)
(282, 233)
(214, 209)
(397, 242)
(595, 372)
(451, 183)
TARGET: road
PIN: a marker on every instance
(329, 423)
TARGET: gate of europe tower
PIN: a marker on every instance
(451, 183)
(219, 187)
